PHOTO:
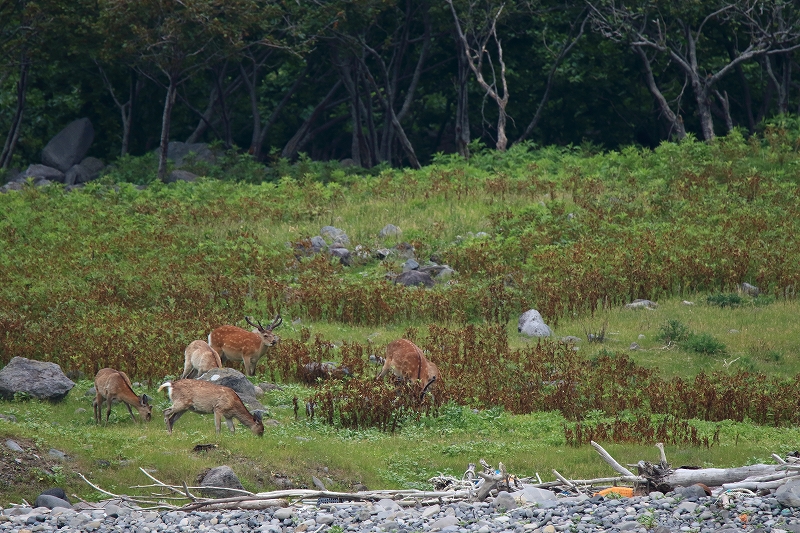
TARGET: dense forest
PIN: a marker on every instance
(383, 82)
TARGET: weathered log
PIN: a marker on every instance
(715, 477)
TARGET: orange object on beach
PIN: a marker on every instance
(625, 492)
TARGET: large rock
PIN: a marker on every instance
(335, 235)
(532, 324)
(179, 153)
(221, 478)
(38, 172)
(69, 145)
(39, 379)
(788, 494)
(414, 278)
(84, 172)
(529, 315)
(536, 329)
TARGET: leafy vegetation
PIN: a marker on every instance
(121, 276)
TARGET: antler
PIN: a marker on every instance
(259, 326)
(276, 322)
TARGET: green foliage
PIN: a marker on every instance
(673, 331)
(703, 343)
(725, 300)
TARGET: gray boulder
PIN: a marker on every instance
(641, 304)
(335, 235)
(221, 478)
(415, 278)
(181, 153)
(51, 502)
(504, 500)
(528, 316)
(84, 172)
(389, 230)
(536, 329)
(750, 290)
(43, 172)
(788, 494)
(531, 494)
(39, 379)
(69, 145)
(318, 243)
(411, 264)
(342, 253)
(13, 446)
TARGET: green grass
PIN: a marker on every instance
(761, 339)
(111, 456)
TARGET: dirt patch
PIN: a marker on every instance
(25, 474)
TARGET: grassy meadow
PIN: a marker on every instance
(127, 271)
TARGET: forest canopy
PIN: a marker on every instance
(390, 83)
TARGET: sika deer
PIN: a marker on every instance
(199, 358)
(205, 397)
(405, 360)
(112, 385)
(236, 344)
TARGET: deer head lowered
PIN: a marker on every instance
(113, 385)
(199, 358)
(406, 360)
(237, 344)
(205, 397)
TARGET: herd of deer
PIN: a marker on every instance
(232, 343)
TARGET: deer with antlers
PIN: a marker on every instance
(237, 344)
(405, 360)
(206, 397)
(115, 386)
(199, 358)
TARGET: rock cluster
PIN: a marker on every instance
(654, 513)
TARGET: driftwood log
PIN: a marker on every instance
(662, 477)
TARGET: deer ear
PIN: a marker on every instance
(258, 414)
(145, 399)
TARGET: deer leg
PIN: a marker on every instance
(218, 421)
(131, 412)
(98, 410)
(108, 412)
(229, 421)
(174, 418)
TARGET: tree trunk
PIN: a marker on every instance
(166, 119)
(205, 117)
(675, 121)
(298, 139)
(462, 104)
(16, 122)
(703, 109)
(258, 143)
(135, 86)
(476, 65)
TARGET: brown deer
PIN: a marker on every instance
(405, 360)
(205, 397)
(236, 344)
(199, 358)
(113, 385)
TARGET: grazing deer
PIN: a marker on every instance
(205, 397)
(236, 344)
(112, 385)
(199, 358)
(405, 360)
